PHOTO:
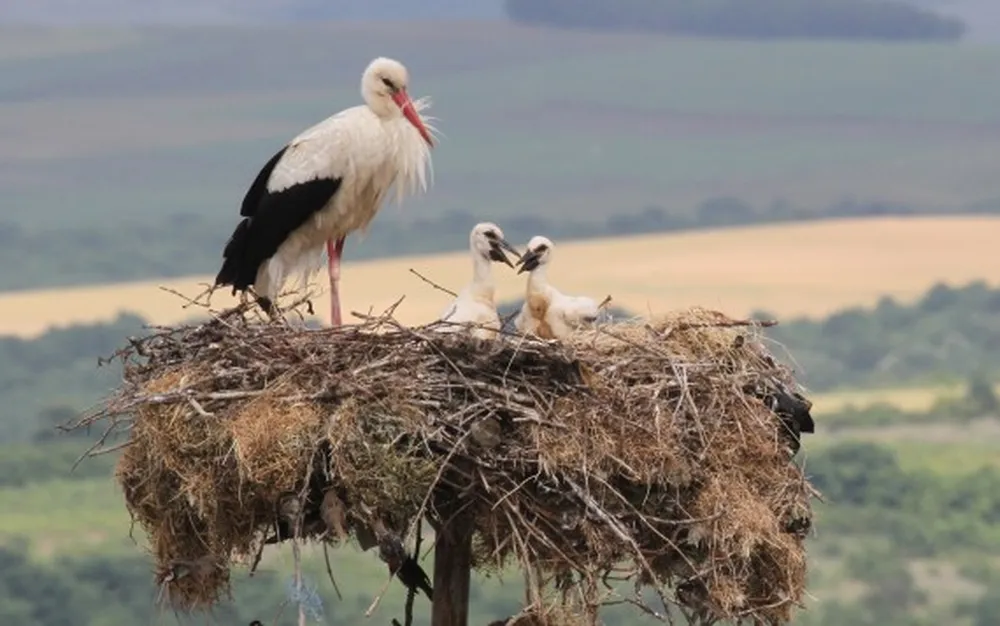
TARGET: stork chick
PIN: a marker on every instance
(476, 304)
(326, 183)
(546, 311)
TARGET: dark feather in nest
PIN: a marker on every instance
(663, 446)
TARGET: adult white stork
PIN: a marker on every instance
(547, 312)
(325, 183)
(476, 303)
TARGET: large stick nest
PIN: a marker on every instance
(656, 452)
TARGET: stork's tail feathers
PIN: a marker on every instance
(235, 270)
(228, 275)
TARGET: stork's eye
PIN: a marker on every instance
(388, 83)
(540, 249)
(490, 234)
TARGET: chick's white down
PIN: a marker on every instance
(475, 305)
(547, 312)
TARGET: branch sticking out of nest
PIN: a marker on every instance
(658, 445)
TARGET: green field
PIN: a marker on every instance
(66, 517)
(134, 122)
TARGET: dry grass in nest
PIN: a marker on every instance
(642, 451)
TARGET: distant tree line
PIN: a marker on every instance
(184, 244)
(752, 19)
(865, 488)
(980, 400)
(953, 331)
(51, 457)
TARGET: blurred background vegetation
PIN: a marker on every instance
(127, 139)
(906, 456)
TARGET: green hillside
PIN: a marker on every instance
(176, 120)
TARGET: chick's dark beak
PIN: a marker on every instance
(497, 247)
(528, 261)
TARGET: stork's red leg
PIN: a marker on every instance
(334, 252)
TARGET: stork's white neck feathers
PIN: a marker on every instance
(412, 155)
(538, 280)
(482, 287)
(475, 302)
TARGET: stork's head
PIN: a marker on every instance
(487, 241)
(538, 254)
(384, 88)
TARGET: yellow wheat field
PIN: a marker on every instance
(912, 399)
(798, 269)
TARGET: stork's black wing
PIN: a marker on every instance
(258, 188)
(269, 217)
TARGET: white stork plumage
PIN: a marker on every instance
(476, 304)
(546, 311)
(327, 182)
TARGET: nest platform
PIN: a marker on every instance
(657, 452)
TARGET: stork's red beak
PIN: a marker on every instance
(402, 100)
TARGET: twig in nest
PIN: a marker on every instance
(432, 283)
(303, 300)
(256, 557)
(329, 571)
(378, 598)
(507, 319)
(722, 324)
(411, 593)
(384, 318)
(616, 527)
(99, 446)
(189, 301)
(605, 302)
(663, 617)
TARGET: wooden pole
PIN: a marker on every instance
(452, 573)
